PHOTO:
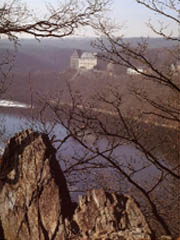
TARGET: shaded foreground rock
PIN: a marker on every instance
(34, 199)
(35, 202)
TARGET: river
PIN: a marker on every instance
(86, 176)
(12, 120)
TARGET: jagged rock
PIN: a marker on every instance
(164, 237)
(34, 199)
(102, 215)
(35, 202)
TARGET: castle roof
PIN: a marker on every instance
(77, 53)
(88, 55)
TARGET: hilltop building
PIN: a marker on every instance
(110, 67)
(74, 60)
(131, 71)
(84, 60)
(175, 67)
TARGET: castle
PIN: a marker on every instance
(84, 60)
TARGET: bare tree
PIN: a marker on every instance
(153, 129)
(159, 109)
(60, 21)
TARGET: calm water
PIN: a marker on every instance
(79, 179)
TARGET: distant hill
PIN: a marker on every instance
(32, 58)
(54, 54)
(80, 43)
(44, 67)
(86, 85)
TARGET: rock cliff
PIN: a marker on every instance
(35, 202)
(34, 199)
(102, 215)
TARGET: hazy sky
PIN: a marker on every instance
(127, 12)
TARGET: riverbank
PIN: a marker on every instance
(159, 136)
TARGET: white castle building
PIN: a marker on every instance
(84, 60)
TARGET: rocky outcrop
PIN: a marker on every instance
(35, 202)
(102, 215)
(34, 199)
